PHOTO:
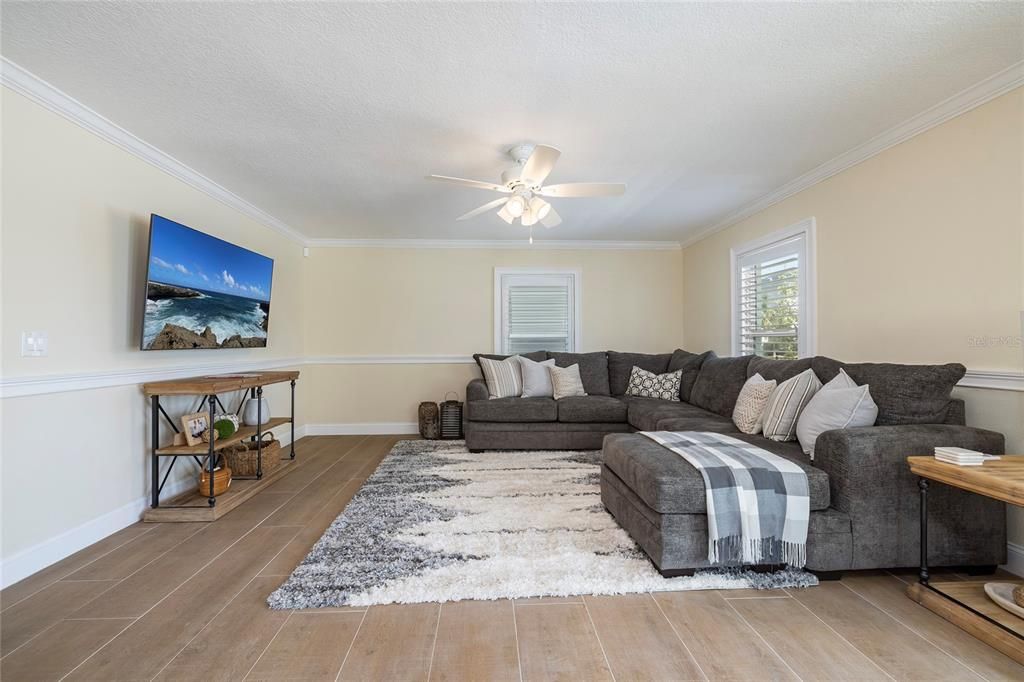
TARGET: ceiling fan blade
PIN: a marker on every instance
(539, 165)
(470, 183)
(583, 189)
(483, 209)
(505, 215)
(551, 219)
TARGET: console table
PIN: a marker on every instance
(204, 506)
(964, 603)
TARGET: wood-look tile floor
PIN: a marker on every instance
(188, 602)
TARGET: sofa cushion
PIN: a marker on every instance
(690, 364)
(779, 370)
(620, 366)
(648, 414)
(707, 422)
(668, 484)
(512, 410)
(905, 394)
(593, 409)
(536, 356)
(593, 369)
(719, 383)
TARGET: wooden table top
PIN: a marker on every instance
(217, 383)
(1001, 479)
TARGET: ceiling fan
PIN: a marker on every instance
(525, 183)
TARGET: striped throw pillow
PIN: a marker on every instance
(787, 402)
(566, 381)
(504, 377)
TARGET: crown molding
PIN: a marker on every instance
(962, 102)
(46, 95)
(519, 244)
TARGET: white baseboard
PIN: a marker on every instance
(47, 552)
(1014, 559)
(362, 429)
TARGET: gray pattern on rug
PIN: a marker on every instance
(436, 523)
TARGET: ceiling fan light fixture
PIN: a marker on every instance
(540, 208)
(516, 206)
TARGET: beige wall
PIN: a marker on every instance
(920, 258)
(440, 302)
(74, 237)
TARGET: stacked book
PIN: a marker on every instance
(962, 456)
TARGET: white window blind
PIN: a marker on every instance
(538, 311)
(772, 315)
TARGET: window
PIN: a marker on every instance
(773, 294)
(536, 310)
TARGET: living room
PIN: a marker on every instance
(857, 169)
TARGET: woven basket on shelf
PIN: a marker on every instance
(221, 481)
(430, 425)
(242, 457)
(451, 418)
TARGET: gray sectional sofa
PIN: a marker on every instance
(864, 501)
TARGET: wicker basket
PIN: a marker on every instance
(221, 482)
(242, 458)
(451, 418)
(430, 424)
(1018, 595)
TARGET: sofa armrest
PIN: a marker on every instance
(869, 479)
(476, 390)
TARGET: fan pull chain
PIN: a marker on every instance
(531, 234)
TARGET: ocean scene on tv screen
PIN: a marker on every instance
(203, 292)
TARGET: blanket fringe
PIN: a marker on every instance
(735, 550)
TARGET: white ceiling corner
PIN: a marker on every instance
(328, 115)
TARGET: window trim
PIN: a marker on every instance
(576, 276)
(807, 334)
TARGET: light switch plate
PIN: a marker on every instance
(34, 344)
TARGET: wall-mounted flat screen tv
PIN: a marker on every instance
(203, 292)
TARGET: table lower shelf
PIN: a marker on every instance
(965, 604)
(191, 506)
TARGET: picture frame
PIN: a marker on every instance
(194, 425)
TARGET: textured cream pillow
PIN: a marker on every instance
(504, 378)
(748, 415)
(840, 404)
(566, 381)
(787, 402)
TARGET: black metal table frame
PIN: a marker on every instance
(213, 401)
(923, 577)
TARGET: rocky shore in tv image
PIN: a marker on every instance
(203, 292)
(178, 318)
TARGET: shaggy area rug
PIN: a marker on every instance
(437, 523)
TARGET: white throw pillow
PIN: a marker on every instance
(504, 378)
(748, 415)
(536, 378)
(840, 404)
(566, 381)
(787, 402)
(644, 384)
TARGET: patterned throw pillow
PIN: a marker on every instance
(787, 402)
(644, 384)
(748, 415)
(504, 378)
(566, 381)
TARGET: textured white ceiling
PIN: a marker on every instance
(328, 115)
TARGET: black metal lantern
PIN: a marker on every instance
(451, 418)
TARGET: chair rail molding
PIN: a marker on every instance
(17, 387)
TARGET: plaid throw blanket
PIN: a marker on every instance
(758, 502)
